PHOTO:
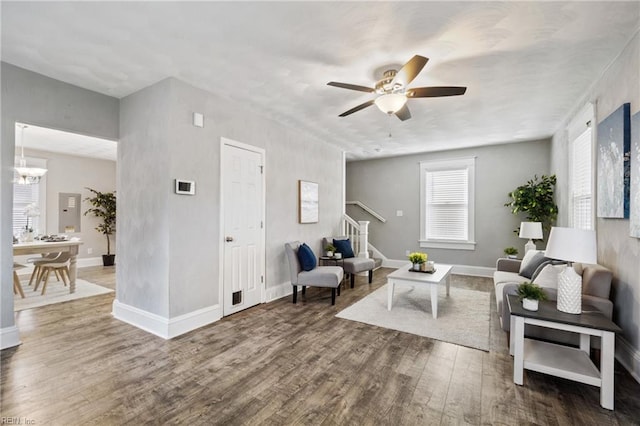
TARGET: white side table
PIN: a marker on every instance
(559, 360)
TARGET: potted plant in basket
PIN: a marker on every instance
(511, 252)
(417, 259)
(530, 294)
(104, 207)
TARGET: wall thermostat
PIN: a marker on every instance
(185, 187)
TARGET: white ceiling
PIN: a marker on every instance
(526, 64)
(44, 139)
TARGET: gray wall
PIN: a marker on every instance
(169, 246)
(616, 249)
(390, 184)
(35, 99)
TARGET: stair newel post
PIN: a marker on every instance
(363, 238)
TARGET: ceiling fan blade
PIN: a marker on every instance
(358, 108)
(403, 113)
(410, 70)
(351, 87)
(435, 91)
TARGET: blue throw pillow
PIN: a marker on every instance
(344, 247)
(306, 257)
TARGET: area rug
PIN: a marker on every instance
(463, 317)
(56, 293)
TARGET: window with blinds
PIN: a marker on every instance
(23, 195)
(581, 181)
(447, 204)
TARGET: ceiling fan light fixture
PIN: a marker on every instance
(390, 103)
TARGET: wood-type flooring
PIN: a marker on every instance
(278, 364)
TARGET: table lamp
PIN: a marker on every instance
(572, 245)
(530, 230)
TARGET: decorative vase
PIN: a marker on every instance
(530, 304)
(569, 291)
(329, 253)
(416, 266)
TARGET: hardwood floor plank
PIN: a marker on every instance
(278, 364)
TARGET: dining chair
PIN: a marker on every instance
(59, 264)
(37, 261)
(17, 286)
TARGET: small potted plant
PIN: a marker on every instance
(511, 252)
(530, 294)
(330, 249)
(417, 259)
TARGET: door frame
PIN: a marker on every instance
(221, 246)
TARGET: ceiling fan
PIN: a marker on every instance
(393, 91)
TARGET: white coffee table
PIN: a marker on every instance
(405, 276)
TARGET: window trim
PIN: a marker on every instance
(448, 164)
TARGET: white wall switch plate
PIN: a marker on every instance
(399, 213)
(89, 250)
(407, 253)
(198, 119)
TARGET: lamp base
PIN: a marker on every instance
(529, 246)
(569, 291)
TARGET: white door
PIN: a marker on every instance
(243, 205)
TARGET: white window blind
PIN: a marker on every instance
(447, 204)
(581, 181)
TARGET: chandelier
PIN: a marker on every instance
(27, 175)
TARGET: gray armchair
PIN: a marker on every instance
(353, 265)
(321, 276)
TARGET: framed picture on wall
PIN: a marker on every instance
(634, 213)
(614, 149)
(307, 202)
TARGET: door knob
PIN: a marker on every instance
(228, 239)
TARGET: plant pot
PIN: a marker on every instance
(108, 259)
(530, 304)
(416, 266)
(329, 253)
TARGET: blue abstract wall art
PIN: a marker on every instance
(614, 155)
(634, 215)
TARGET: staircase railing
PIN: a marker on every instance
(367, 209)
(358, 233)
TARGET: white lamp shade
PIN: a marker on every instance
(572, 245)
(391, 102)
(531, 230)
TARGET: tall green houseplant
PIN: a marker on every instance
(104, 207)
(535, 200)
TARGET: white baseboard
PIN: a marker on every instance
(628, 356)
(9, 337)
(167, 328)
(476, 271)
(391, 263)
(279, 291)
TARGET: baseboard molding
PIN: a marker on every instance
(9, 337)
(395, 264)
(279, 291)
(628, 356)
(476, 271)
(167, 328)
